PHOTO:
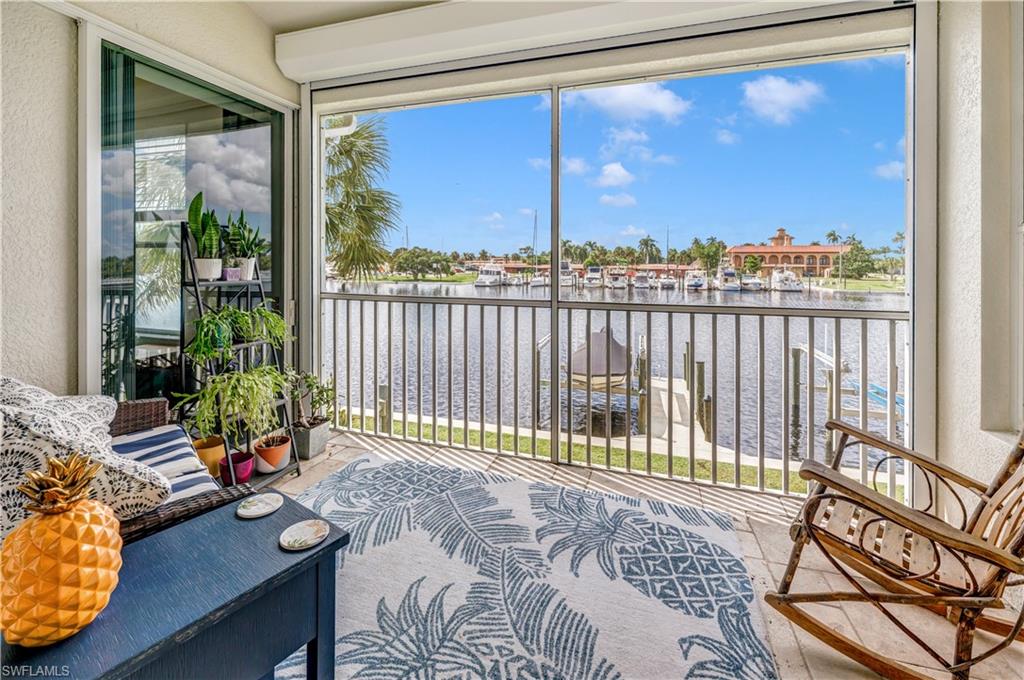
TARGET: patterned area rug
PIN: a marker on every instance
(463, 574)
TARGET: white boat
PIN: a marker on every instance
(666, 282)
(567, 276)
(641, 281)
(749, 282)
(726, 279)
(594, 278)
(490, 275)
(539, 281)
(695, 280)
(617, 279)
(786, 281)
(602, 374)
(514, 280)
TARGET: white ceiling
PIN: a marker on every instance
(284, 16)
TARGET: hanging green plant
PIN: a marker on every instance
(212, 339)
(237, 402)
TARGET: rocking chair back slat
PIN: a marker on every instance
(890, 544)
(1000, 520)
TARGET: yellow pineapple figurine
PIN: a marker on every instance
(58, 567)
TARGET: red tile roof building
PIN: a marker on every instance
(806, 260)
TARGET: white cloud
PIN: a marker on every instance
(614, 175)
(493, 217)
(232, 170)
(633, 231)
(539, 163)
(639, 101)
(777, 99)
(890, 170)
(631, 142)
(574, 166)
(622, 200)
(724, 136)
(118, 172)
(729, 120)
(526, 211)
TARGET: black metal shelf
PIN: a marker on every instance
(236, 293)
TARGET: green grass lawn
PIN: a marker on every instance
(866, 285)
(617, 456)
(464, 277)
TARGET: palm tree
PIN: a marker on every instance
(590, 247)
(359, 214)
(833, 238)
(648, 248)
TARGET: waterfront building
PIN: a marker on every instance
(780, 252)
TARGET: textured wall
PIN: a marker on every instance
(974, 232)
(226, 35)
(38, 209)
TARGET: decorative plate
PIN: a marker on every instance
(260, 505)
(305, 534)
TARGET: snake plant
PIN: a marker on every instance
(243, 240)
(205, 229)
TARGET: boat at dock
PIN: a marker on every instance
(567, 277)
(540, 281)
(751, 283)
(594, 277)
(786, 281)
(617, 278)
(602, 347)
(666, 282)
(491, 275)
(641, 281)
(695, 280)
(726, 279)
(514, 280)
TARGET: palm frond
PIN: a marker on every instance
(519, 611)
(465, 521)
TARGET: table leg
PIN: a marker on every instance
(320, 650)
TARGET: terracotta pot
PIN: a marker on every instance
(210, 451)
(242, 461)
(272, 452)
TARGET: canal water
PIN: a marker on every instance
(355, 334)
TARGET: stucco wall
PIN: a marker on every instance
(974, 231)
(38, 209)
(226, 35)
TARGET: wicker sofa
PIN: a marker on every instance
(146, 414)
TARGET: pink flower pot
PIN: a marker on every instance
(243, 463)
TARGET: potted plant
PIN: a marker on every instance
(239, 403)
(232, 269)
(246, 244)
(311, 431)
(213, 337)
(205, 231)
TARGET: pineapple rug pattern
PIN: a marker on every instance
(467, 574)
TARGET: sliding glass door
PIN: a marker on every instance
(167, 137)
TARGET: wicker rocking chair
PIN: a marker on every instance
(956, 571)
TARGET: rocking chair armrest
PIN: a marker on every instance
(929, 464)
(920, 523)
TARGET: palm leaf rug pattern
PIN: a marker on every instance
(456, 573)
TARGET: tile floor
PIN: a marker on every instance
(762, 524)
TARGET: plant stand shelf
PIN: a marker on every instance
(243, 294)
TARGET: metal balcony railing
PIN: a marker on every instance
(727, 395)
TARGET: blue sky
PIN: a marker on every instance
(809, 148)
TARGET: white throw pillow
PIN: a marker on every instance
(92, 413)
(29, 438)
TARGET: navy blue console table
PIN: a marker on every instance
(214, 597)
